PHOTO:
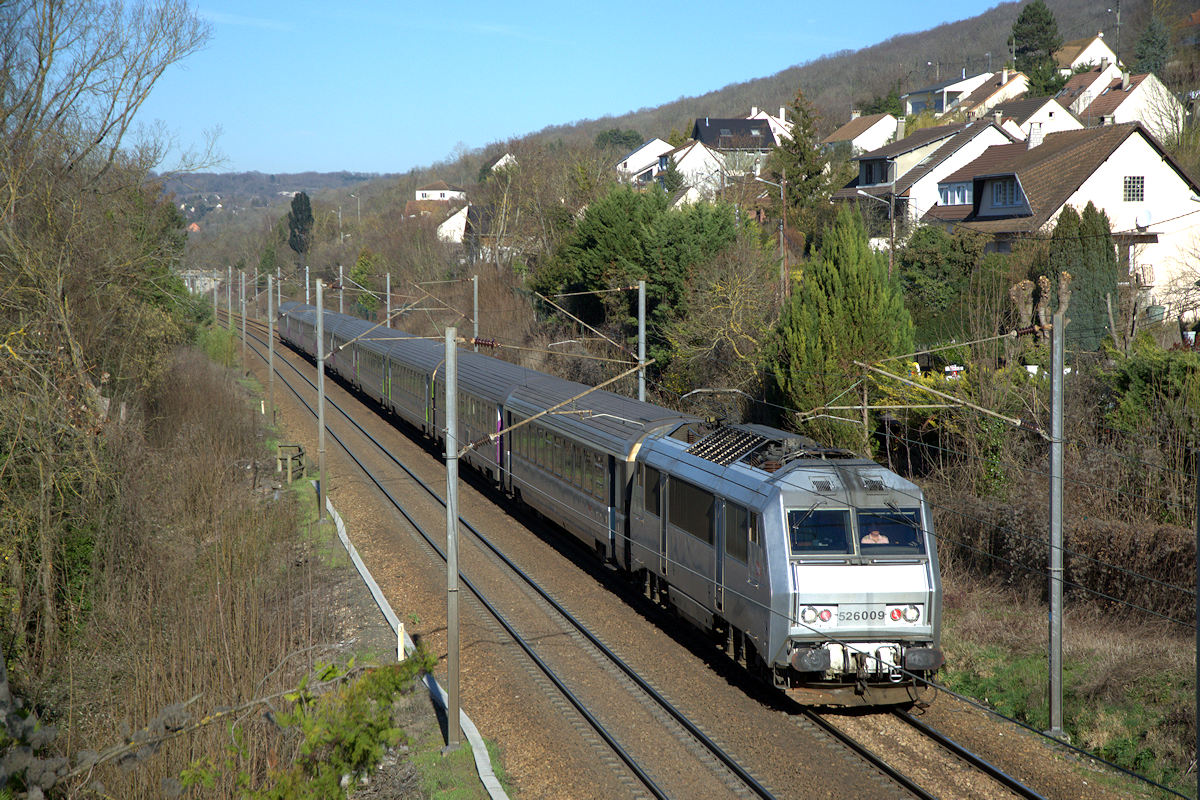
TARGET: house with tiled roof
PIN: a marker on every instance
(780, 127)
(641, 165)
(1084, 87)
(1001, 86)
(441, 191)
(908, 171)
(1081, 52)
(862, 133)
(942, 97)
(1137, 98)
(701, 167)
(743, 143)
(1018, 190)
(1033, 115)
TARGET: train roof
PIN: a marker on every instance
(620, 420)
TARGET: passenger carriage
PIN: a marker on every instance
(745, 530)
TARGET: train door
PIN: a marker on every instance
(719, 556)
(611, 474)
(660, 507)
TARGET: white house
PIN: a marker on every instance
(863, 134)
(701, 167)
(641, 165)
(780, 127)
(1003, 85)
(1018, 190)
(1081, 52)
(440, 190)
(942, 97)
(1137, 98)
(1080, 90)
(743, 143)
(919, 162)
(1035, 115)
(454, 228)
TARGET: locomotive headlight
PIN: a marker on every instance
(808, 614)
(912, 614)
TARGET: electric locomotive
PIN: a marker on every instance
(819, 567)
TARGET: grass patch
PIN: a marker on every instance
(1113, 705)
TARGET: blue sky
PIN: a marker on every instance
(374, 86)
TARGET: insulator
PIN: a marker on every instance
(492, 343)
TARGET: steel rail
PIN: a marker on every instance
(997, 774)
(867, 755)
(702, 738)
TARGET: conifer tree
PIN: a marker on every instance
(844, 310)
(300, 223)
(1153, 49)
(801, 159)
(1099, 272)
(1034, 41)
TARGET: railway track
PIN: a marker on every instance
(695, 743)
(694, 746)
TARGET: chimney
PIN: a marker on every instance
(998, 117)
(900, 129)
(855, 113)
(1035, 135)
(753, 111)
(783, 113)
(1004, 76)
(1108, 119)
(1125, 81)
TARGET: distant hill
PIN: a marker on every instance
(203, 193)
(841, 81)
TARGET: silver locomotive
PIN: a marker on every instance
(818, 567)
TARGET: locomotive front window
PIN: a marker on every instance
(888, 531)
(818, 531)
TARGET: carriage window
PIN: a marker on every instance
(652, 498)
(692, 510)
(818, 531)
(737, 521)
(885, 531)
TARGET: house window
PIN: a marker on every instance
(443, 194)
(1135, 188)
(955, 194)
(1005, 192)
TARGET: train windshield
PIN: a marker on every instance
(819, 531)
(891, 531)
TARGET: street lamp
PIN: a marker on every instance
(784, 283)
(358, 200)
(891, 204)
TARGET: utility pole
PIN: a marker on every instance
(321, 488)
(229, 298)
(243, 307)
(452, 711)
(475, 315)
(271, 345)
(388, 302)
(642, 341)
(892, 240)
(216, 293)
(307, 301)
(341, 284)
(1057, 358)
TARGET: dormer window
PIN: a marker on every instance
(755, 132)
(726, 132)
(1006, 193)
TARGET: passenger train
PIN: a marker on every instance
(819, 567)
